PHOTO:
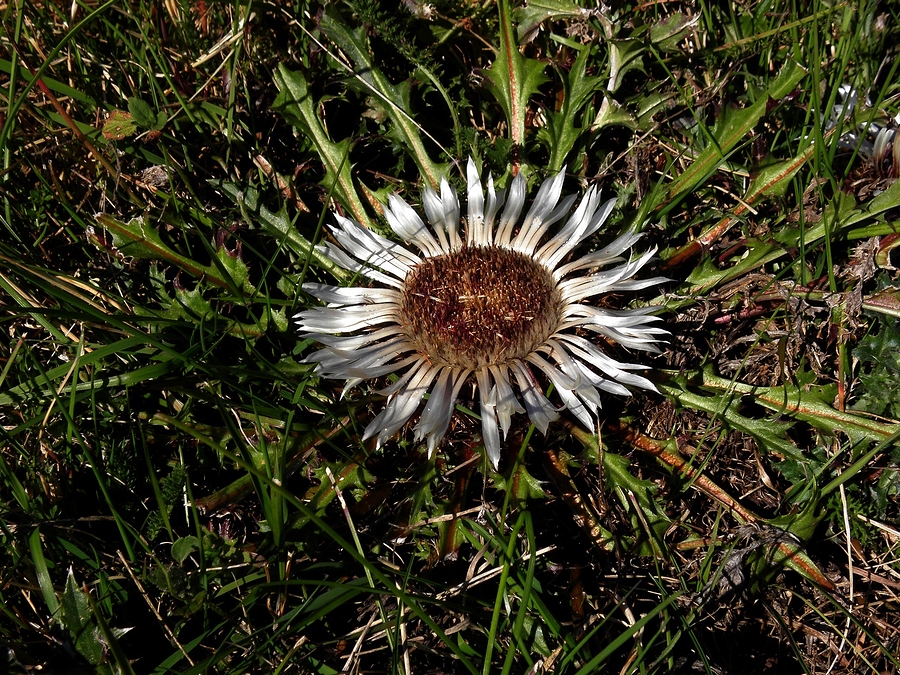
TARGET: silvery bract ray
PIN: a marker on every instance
(494, 299)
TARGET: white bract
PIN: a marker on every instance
(495, 299)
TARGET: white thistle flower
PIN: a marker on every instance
(494, 298)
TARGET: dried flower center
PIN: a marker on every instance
(479, 306)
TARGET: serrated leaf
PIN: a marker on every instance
(616, 474)
(879, 356)
(706, 275)
(769, 433)
(512, 78)
(193, 306)
(636, 493)
(773, 180)
(564, 127)
(398, 108)
(348, 475)
(236, 270)
(802, 524)
(668, 32)
(279, 319)
(535, 12)
(279, 227)
(296, 104)
(522, 484)
(767, 561)
(138, 239)
(807, 406)
(648, 105)
(612, 114)
(877, 209)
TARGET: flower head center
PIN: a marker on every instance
(479, 306)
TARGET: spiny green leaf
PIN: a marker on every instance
(802, 524)
(193, 306)
(236, 269)
(879, 356)
(666, 33)
(279, 226)
(706, 275)
(513, 78)
(348, 475)
(398, 108)
(523, 485)
(769, 433)
(624, 55)
(808, 406)
(535, 12)
(636, 493)
(616, 474)
(564, 128)
(296, 104)
(139, 239)
(613, 114)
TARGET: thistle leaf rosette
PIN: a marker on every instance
(494, 299)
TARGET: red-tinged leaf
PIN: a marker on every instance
(513, 78)
(119, 125)
(886, 301)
